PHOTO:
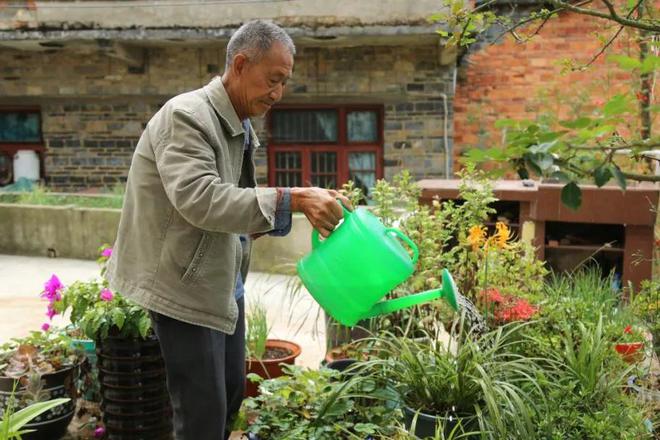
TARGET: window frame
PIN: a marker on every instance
(12, 147)
(342, 147)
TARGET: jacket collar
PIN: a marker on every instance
(215, 91)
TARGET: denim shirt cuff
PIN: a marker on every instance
(282, 213)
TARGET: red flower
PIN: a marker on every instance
(521, 310)
(628, 330)
(492, 295)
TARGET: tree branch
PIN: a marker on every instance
(637, 24)
(641, 177)
(602, 49)
(530, 19)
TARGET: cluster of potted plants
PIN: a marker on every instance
(545, 364)
(37, 369)
(126, 369)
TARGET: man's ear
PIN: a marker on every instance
(239, 64)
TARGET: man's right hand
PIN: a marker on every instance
(320, 206)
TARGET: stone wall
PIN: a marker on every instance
(94, 107)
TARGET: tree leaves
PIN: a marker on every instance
(571, 195)
(602, 175)
(616, 106)
(625, 62)
(618, 175)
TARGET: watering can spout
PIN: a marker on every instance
(448, 291)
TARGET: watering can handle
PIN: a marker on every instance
(315, 234)
(407, 240)
(448, 291)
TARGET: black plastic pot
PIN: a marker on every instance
(53, 423)
(135, 402)
(340, 364)
(426, 424)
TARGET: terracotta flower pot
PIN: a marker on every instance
(270, 368)
(630, 351)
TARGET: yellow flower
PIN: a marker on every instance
(501, 237)
(476, 237)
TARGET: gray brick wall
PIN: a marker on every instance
(94, 107)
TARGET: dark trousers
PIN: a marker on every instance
(205, 375)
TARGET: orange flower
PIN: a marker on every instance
(476, 237)
(501, 237)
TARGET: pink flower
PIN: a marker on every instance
(99, 432)
(52, 289)
(51, 311)
(107, 252)
(106, 295)
(45, 326)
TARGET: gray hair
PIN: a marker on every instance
(255, 38)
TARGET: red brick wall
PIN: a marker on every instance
(508, 79)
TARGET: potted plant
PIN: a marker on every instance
(264, 355)
(131, 370)
(12, 422)
(472, 383)
(631, 344)
(317, 404)
(37, 368)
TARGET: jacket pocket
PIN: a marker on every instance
(194, 268)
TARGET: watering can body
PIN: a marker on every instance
(350, 271)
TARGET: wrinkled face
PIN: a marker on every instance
(261, 83)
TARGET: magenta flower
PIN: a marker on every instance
(52, 288)
(106, 295)
(45, 326)
(51, 311)
(107, 252)
(99, 432)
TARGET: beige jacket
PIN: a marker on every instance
(177, 250)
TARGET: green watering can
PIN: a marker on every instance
(349, 272)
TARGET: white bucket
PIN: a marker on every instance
(26, 164)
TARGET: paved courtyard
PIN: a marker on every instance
(22, 278)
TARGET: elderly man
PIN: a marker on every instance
(191, 206)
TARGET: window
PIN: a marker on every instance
(325, 146)
(20, 129)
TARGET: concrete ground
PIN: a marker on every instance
(22, 310)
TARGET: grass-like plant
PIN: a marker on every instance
(12, 422)
(478, 379)
(257, 331)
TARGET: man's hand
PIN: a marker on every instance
(320, 206)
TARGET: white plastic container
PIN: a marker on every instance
(26, 164)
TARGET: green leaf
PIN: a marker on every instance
(543, 147)
(618, 175)
(505, 123)
(602, 175)
(615, 106)
(118, 318)
(581, 122)
(543, 160)
(561, 176)
(625, 62)
(650, 63)
(144, 325)
(24, 416)
(571, 195)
